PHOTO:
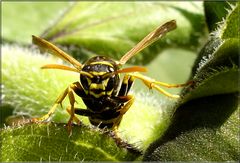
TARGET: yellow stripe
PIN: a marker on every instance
(125, 79)
(97, 86)
(97, 73)
(97, 95)
(105, 82)
(102, 62)
(89, 81)
(109, 92)
(100, 94)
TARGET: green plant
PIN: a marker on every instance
(202, 125)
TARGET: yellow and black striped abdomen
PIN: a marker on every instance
(107, 119)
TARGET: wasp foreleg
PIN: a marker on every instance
(151, 83)
(74, 117)
(52, 110)
(75, 87)
(68, 91)
(129, 101)
(124, 98)
(126, 85)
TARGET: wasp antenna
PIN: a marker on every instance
(132, 69)
(86, 73)
(60, 67)
(126, 70)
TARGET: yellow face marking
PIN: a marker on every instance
(100, 86)
(105, 82)
(97, 86)
(89, 81)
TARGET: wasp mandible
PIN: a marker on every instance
(100, 87)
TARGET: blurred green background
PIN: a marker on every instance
(20, 20)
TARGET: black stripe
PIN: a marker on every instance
(123, 90)
(130, 83)
(106, 115)
(97, 91)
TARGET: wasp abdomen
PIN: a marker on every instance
(105, 119)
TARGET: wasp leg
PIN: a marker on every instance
(52, 110)
(75, 87)
(68, 91)
(72, 101)
(74, 117)
(173, 85)
(126, 85)
(129, 101)
(151, 83)
(122, 110)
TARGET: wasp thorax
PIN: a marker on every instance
(99, 78)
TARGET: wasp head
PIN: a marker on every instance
(98, 77)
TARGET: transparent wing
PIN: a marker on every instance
(149, 39)
(46, 46)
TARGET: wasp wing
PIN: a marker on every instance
(149, 39)
(46, 46)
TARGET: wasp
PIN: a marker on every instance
(104, 94)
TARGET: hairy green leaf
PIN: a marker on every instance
(106, 28)
(215, 11)
(203, 144)
(231, 26)
(205, 123)
(206, 127)
(217, 72)
(51, 142)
